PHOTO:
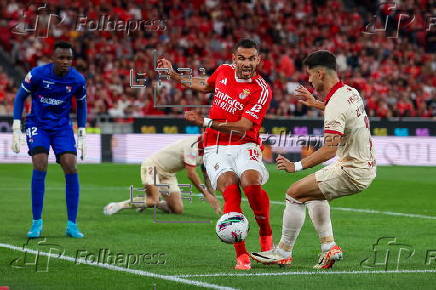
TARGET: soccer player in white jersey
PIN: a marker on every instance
(346, 136)
(232, 154)
(158, 174)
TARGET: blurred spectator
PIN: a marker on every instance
(395, 76)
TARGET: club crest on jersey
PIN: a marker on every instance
(68, 89)
(244, 94)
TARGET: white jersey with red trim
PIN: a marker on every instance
(174, 157)
(234, 99)
(344, 114)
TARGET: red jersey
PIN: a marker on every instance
(234, 99)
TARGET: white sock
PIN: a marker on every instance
(319, 212)
(284, 253)
(293, 220)
(327, 246)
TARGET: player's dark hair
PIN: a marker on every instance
(246, 43)
(62, 44)
(321, 58)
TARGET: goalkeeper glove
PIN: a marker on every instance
(16, 136)
(81, 142)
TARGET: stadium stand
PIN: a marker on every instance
(395, 75)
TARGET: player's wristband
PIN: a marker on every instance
(207, 122)
(298, 166)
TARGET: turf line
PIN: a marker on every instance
(372, 211)
(120, 269)
(305, 273)
(349, 209)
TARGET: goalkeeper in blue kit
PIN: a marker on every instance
(52, 87)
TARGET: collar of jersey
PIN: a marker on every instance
(333, 90)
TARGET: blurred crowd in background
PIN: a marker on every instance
(394, 70)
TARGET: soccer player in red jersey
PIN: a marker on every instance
(232, 154)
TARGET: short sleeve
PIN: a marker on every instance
(30, 82)
(212, 79)
(190, 155)
(334, 119)
(256, 109)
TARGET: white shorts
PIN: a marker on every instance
(236, 158)
(336, 181)
(152, 174)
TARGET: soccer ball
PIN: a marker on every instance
(232, 227)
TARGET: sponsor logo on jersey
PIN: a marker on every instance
(50, 101)
(47, 84)
(224, 81)
(244, 94)
(332, 125)
(226, 102)
(68, 88)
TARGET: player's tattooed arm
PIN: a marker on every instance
(306, 98)
(326, 152)
(196, 83)
(207, 180)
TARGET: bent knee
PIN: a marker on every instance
(177, 210)
(295, 191)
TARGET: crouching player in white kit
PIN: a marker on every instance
(160, 169)
(346, 135)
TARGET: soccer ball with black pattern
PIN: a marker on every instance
(232, 227)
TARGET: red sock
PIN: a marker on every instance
(240, 248)
(259, 203)
(232, 199)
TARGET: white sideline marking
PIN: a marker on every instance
(305, 273)
(360, 210)
(411, 215)
(120, 269)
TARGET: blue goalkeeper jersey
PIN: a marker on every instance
(52, 95)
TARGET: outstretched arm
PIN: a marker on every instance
(196, 83)
(326, 152)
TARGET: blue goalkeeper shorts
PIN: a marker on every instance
(61, 140)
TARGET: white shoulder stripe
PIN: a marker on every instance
(27, 90)
(266, 89)
(264, 94)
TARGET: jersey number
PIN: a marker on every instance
(254, 154)
(256, 108)
(31, 131)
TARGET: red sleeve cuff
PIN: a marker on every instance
(333, 132)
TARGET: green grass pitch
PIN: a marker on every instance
(189, 255)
